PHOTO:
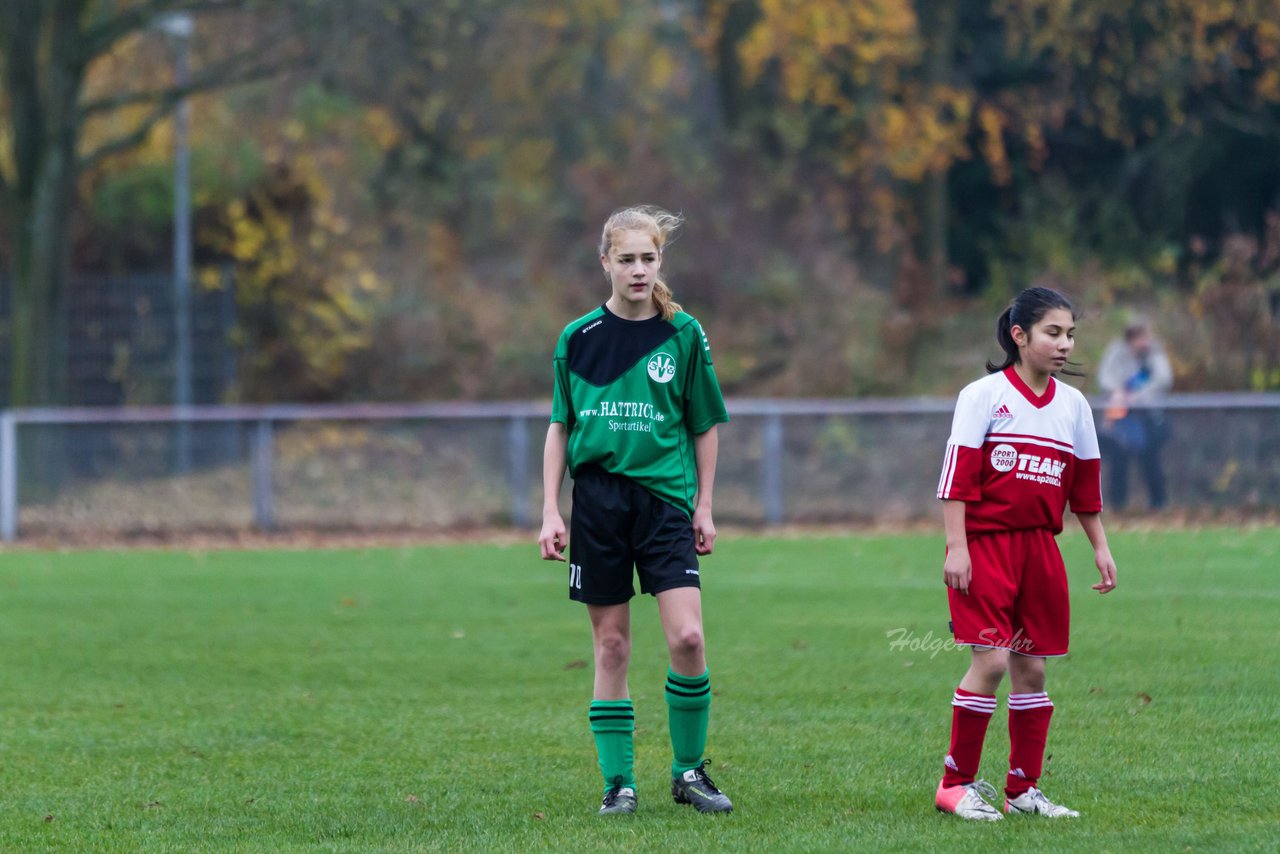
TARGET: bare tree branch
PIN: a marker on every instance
(235, 69)
(134, 138)
(224, 74)
(127, 99)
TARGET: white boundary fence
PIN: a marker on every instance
(776, 433)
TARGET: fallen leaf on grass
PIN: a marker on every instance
(539, 816)
(1144, 697)
(413, 799)
(1095, 690)
(576, 664)
(49, 818)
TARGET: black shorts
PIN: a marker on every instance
(617, 524)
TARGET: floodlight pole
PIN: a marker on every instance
(180, 26)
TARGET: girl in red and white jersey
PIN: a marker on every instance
(1022, 447)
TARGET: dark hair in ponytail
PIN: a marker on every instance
(1025, 311)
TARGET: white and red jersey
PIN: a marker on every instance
(1016, 458)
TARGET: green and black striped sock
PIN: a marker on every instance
(688, 710)
(613, 723)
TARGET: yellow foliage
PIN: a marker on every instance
(1192, 43)
(384, 130)
(529, 158)
(861, 59)
(296, 254)
(661, 69)
(817, 42)
(1269, 84)
(991, 123)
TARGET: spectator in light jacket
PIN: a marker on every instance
(1134, 375)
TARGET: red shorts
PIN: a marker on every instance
(1017, 595)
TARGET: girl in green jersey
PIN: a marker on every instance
(634, 416)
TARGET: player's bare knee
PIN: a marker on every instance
(613, 652)
(687, 642)
(1026, 675)
(988, 668)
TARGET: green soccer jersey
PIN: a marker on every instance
(633, 394)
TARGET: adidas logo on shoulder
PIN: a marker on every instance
(1002, 411)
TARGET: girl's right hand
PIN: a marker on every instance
(553, 537)
(957, 570)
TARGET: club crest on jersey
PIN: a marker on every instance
(1004, 457)
(1002, 411)
(661, 368)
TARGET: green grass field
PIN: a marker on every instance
(435, 699)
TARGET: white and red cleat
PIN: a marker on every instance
(968, 801)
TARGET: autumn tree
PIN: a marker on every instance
(49, 50)
(868, 95)
(505, 130)
(301, 246)
(1166, 113)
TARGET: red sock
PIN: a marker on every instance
(1028, 729)
(970, 714)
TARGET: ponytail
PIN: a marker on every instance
(1025, 311)
(1004, 337)
(664, 301)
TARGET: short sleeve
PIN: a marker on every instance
(1086, 483)
(704, 403)
(561, 400)
(961, 478)
(1085, 441)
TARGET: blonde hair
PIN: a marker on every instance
(658, 224)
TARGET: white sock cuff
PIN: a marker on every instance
(981, 705)
(1023, 702)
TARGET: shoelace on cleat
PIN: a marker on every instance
(982, 787)
(987, 791)
(611, 796)
(703, 777)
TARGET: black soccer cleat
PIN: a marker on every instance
(619, 800)
(695, 787)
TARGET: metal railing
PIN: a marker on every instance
(781, 461)
(263, 420)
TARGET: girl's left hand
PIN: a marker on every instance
(704, 531)
(1107, 569)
